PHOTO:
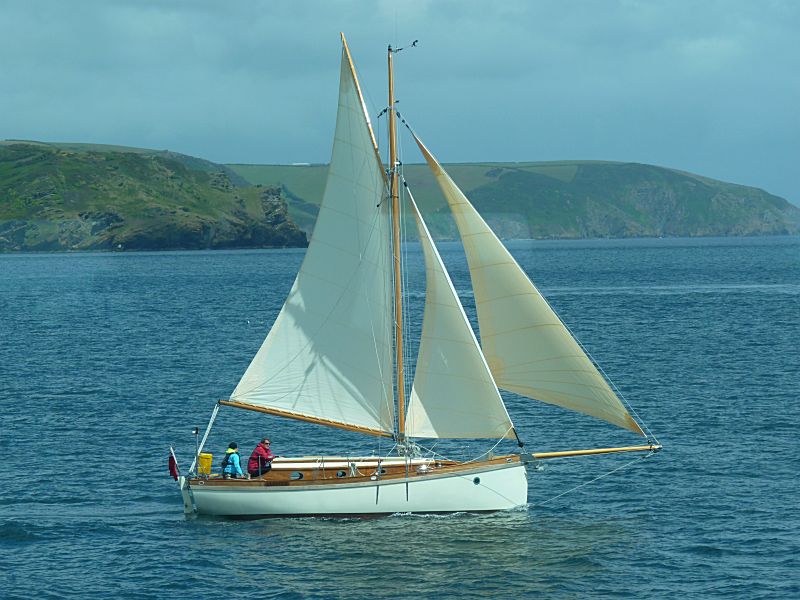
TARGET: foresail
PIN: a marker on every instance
(454, 395)
(329, 352)
(529, 350)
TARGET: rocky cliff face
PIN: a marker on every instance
(566, 199)
(628, 200)
(55, 200)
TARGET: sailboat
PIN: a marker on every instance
(335, 355)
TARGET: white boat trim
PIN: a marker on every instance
(339, 462)
(481, 489)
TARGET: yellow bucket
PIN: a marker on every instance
(204, 463)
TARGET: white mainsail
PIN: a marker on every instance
(454, 395)
(329, 352)
(528, 349)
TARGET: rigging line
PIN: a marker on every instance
(630, 407)
(378, 131)
(404, 122)
(405, 272)
(391, 272)
(205, 435)
(368, 99)
(393, 275)
(406, 190)
(600, 368)
(411, 45)
(435, 454)
(490, 449)
(432, 451)
(585, 483)
(388, 401)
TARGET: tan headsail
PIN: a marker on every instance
(529, 350)
(454, 395)
(329, 352)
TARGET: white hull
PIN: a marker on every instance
(483, 489)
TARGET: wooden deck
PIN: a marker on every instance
(332, 470)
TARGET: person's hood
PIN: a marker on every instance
(230, 451)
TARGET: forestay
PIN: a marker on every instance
(329, 352)
(528, 349)
(453, 395)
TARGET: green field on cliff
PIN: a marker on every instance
(52, 198)
(566, 199)
(63, 196)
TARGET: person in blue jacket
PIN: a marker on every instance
(232, 464)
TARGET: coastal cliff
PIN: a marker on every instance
(53, 199)
(66, 197)
(567, 200)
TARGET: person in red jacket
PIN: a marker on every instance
(261, 459)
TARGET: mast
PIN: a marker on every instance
(398, 300)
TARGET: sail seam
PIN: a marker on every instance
(549, 371)
(516, 329)
(557, 392)
(551, 358)
(388, 401)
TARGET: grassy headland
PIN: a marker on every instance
(566, 199)
(59, 196)
(53, 197)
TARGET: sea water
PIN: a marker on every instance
(107, 359)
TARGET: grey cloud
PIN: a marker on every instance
(706, 87)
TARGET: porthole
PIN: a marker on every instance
(382, 471)
(341, 474)
(476, 481)
(295, 475)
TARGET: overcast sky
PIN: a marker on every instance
(711, 87)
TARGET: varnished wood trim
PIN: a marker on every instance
(568, 453)
(290, 415)
(395, 474)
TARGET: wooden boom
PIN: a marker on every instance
(299, 417)
(570, 453)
